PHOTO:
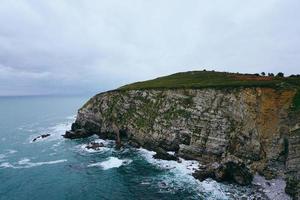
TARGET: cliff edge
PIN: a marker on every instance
(234, 124)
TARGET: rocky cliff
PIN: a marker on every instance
(254, 125)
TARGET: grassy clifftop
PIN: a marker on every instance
(212, 79)
(206, 79)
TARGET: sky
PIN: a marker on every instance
(85, 47)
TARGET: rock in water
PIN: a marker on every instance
(164, 155)
(41, 136)
(230, 169)
(79, 133)
(94, 145)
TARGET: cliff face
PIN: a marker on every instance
(252, 124)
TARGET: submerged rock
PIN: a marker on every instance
(94, 145)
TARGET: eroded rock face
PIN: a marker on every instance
(79, 133)
(231, 169)
(252, 124)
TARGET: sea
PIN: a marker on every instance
(54, 168)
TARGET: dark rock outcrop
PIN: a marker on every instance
(230, 169)
(79, 133)
(164, 155)
(41, 137)
(95, 145)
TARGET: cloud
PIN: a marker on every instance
(11, 73)
(89, 46)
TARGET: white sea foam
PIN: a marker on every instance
(182, 176)
(12, 151)
(171, 153)
(112, 162)
(6, 165)
(3, 156)
(214, 188)
(184, 166)
(55, 131)
(26, 163)
(100, 149)
(83, 147)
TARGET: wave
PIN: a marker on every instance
(108, 144)
(184, 166)
(26, 163)
(179, 176)
(100, 149)
(55, 131)
(6, 165)
(112, 162)
(3, 156)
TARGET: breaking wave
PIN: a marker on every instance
(26, 163)
(112, 162)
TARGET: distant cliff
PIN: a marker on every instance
(245, 117)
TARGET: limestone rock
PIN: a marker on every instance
(230, 169)
(254, 125)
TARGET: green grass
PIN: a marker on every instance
(296, 103)
(207, 79)
(221, 80)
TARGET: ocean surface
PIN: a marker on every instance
(56, 168)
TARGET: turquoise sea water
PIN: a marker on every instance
(56, 168)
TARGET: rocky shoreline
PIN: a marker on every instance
(234, 133)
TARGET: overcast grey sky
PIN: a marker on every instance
(77, 46)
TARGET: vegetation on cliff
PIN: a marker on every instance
(205, 79)
(212, 79)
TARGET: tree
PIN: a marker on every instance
(263, 73)
(280, 74)
(270, 74)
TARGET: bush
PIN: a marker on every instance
(280, 74)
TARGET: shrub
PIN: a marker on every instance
(280, 74)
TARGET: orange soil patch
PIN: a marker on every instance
(253, 78)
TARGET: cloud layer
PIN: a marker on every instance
(74, 47)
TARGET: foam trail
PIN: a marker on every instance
(25, 163)
(112, 162)
(3, 156)
(185, 166)
(6, 165)
(55, 131)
